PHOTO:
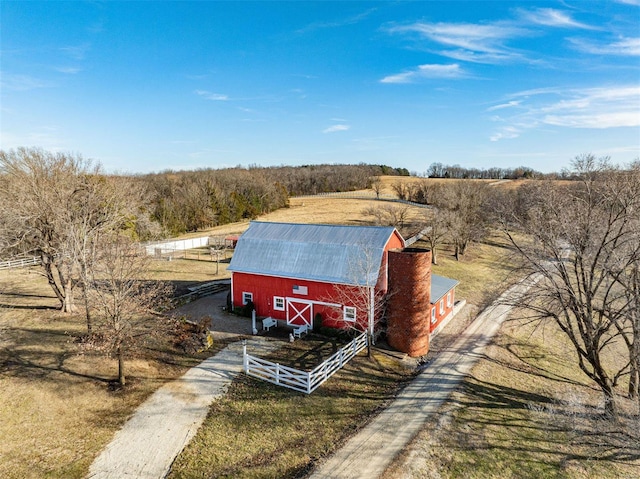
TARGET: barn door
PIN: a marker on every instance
(299, 312)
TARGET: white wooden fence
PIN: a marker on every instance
(20, 263)
(166, 247)
(365, 195)
(303, 381)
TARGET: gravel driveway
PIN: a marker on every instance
(223, 325)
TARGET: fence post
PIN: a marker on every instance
(245, 361)
(341, 355)
(277, 373)
(254, 330)
(308, 383)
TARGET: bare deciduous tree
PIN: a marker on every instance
(44, 208)
(437, 222)
(57, 206)
(126, 306)
(582, 239)
(388, 214)
(465, 199)
(376, 185)
(365, 293)
(402, 189)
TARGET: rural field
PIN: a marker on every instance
(525, 410)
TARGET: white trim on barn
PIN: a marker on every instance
(246, 297)
(279, 303)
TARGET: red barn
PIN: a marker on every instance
(338, 274)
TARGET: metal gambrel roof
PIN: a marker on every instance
(330, 253)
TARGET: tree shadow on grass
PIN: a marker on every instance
(525, 357)
(41, 354)
(42, 366)
(23, 306)
(29, 295)
(311, 358)
(537, 429)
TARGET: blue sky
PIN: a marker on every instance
(148, 86)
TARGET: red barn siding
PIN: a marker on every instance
(265, 288)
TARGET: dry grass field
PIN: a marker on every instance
(526, 411)
(58, 409)
(259, 430)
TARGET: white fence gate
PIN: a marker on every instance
(303, 381)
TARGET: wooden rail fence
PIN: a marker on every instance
(303, 381)
(20, 263)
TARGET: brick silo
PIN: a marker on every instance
(409, 300)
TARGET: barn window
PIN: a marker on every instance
(278, 303)
(442, 306)
(449, 299)
(433, 315)
(246, 297)
(350, 314)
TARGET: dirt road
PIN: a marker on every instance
(160, 428)
(372, 450)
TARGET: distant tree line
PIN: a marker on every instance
(438, 170)
(190, 200)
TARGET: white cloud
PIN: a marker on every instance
(212, 96)
(512, 103)
(480, 43)
(352, 20)
(596, 108)
(45, 136)
(335, 128)
(551, 17)
(506, 133)
(23, 82)
(595, 120)
(69, 70)
(622, 47)
(591, 108)
(77, 52)
(426, 71)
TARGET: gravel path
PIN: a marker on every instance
(371, 451)
(223, 324)
(163, 425)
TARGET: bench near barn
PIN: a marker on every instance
(268, 323)
(298, 331)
